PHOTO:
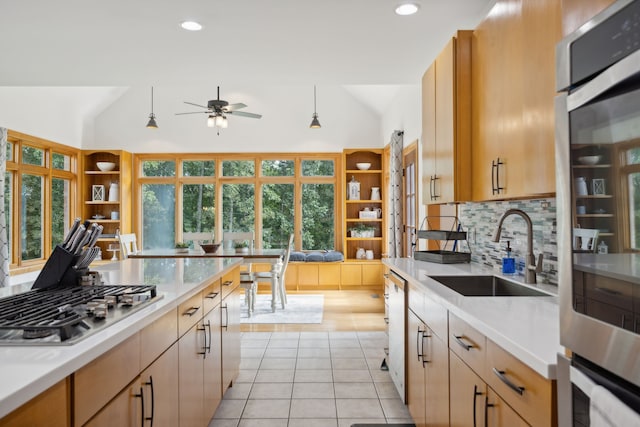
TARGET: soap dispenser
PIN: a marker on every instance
(508, 262)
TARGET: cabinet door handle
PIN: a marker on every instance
(608, 291)
(208, 347)
(462, 343)
(191, 311)
(226, 311)
(476, 393)
(419, 347)
(487, 405)
(153, 400)
(495, 176)
(435, 196)
(204, 347)
(424, 360)
(507, 381)
(141, 396)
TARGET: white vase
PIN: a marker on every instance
(114, 192)
(375, 193)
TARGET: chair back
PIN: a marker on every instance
(128, 245)
(287, 252)
(230, 237)
(585, 239)
(197, 238)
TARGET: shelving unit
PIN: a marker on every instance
(372, 177)
(598, 210)
(122, 206)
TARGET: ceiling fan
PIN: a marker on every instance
(218, 110)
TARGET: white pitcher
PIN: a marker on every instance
(114, 192)
(375, 193)
(360, 253)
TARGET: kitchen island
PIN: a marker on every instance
(503, 347)
(29, 370)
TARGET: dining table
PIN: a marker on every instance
(271, 256)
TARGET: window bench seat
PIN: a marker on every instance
(327, 270)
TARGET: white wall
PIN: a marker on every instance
(284, 127)
(59, 114)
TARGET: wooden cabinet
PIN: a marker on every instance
(446, 123)
(192, 349)
(364, 210)
(50, 408)
(159, 384)
(511, 392)
(112, 211)
(467, 393)
(95, 384)
(513, 90)
(230, 332)
(124, 410)
(427, 361)
(213, 363)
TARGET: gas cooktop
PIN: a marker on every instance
(65, 315)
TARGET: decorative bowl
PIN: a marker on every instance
(106, 166)
(589, 160)
(363, 166)
(209, 248)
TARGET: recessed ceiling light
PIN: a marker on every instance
(407, 8)
(191, 26)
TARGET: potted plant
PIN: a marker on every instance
(182, 247)
(362, 230)
(241, 246)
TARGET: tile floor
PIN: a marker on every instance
(311, 379)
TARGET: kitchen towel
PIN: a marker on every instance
(606, 410)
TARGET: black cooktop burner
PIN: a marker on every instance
(64, 315)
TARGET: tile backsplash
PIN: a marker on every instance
(480, 220)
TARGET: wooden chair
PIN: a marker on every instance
(585, 239)
(128, 245)
(250, 286)
(268, 276)
(230, 237)
(197, 238)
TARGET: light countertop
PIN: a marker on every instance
(27, 371)
(617, 266)
(526, 327)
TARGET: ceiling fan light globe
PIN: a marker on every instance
(218, 121)
(224, 123)
(211, 121)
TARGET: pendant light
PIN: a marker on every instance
(315, 123)
(152, 117)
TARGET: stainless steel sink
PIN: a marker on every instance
(487, 286)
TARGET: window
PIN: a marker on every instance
(632, 171)
(272, 196)
(43, 174)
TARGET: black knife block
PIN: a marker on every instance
(59, 270)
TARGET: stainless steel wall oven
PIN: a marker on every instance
(598, 188)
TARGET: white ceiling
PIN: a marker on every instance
(358, 44)
(124, 42)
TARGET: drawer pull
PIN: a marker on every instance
(608, 291)
(462, 343)
(211, 295)
(507, 381)
(190, 312)
(227, 283)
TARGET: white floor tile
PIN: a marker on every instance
(280, 352)
(313, 363)
(306, 353)
(314, 343)
(223, 423)
(271, 391)
(283, 343)
(349, 363)
(266, 408)
(394, 408)
(314, 376)
(346, 352)
(346, 422)
(355, 391)
(351, 376)
(250, 363)
(246, 376)
(313, 408)
(359, 408)
(311, 422)
(313, 391)
(230, 409)
(238, 391)
(289, 363)
(387, 390)
(264, 423)
(274, 376)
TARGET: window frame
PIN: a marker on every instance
(218, 180)
(48, 172)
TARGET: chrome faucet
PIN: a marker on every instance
(530, 267)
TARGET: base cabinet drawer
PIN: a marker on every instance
(528, 393)
(467, 343)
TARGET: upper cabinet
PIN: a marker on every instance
(513, 91)
(446, 124)
(106, 194)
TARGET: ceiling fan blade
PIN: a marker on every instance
(196, 105)
(245, 114)
(194, 112)
(237, 106)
